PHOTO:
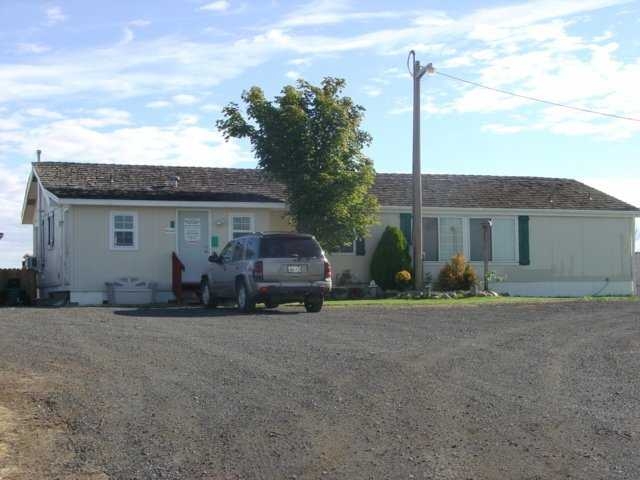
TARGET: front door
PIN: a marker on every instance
(193, 243)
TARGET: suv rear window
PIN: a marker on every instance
(289, 247)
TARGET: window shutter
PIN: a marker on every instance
(523, 239)
(405, 226)
(360, 246)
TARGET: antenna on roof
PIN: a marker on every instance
(38, 155)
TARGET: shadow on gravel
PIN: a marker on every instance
(194, 312)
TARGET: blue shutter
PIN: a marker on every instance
(405, 226)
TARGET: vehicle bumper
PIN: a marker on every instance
(290, 292)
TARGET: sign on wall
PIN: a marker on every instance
(192, 230)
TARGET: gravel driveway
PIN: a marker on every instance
(496, 392)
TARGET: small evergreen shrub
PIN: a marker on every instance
(390, 257)
(457, 274)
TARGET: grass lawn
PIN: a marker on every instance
(469, 301)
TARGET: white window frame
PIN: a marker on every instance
(466, 238)
(252, 227)
(112, 230)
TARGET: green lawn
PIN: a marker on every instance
(470, 301)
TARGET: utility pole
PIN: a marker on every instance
(417, 72)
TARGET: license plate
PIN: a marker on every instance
(295, 268)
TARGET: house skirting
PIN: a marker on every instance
(564, 289)
(100, 297)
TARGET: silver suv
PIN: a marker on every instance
(269, 268)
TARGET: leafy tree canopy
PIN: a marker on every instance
(309, 139)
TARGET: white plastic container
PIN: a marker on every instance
(131, 291)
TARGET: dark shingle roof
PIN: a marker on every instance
(147, 182)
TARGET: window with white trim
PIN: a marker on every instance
(451, 237)
(124, 231)
(241, 226)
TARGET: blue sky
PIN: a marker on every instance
(144, 81)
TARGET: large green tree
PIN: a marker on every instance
(309, 139)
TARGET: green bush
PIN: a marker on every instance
(457, 274)
(390, 257)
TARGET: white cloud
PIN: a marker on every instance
(39, 112)
(12, 122)
(372, 91)
(500, 128)
(292, 74)
(302, 62)
(32, 48)
(217, 6)
(158, 104)
(87, 139)
(17, 238)
(184, 99)
(140, 23)
(330, 12)
(54, 15)
(188, 119)
(211, 107)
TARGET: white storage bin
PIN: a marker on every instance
(131, 291)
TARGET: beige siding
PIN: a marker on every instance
(94, 263)
(562, 249)
(359, 265)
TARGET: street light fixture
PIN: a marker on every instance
(417, 72)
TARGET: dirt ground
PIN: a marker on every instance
(540, 391)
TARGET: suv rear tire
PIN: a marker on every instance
(246, 303)
(313, 305)
(208, 300)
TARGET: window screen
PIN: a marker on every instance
(430, 239)
(476, 235)
(123, 229)
(240, 226)
(504, 240)
(450, 237)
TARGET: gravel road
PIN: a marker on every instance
(542, 391)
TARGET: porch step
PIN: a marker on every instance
(190, 293)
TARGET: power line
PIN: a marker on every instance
(534, 99)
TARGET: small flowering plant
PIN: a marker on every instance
(403, 279)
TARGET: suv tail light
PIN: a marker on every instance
(327, 270)
(258, 270)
